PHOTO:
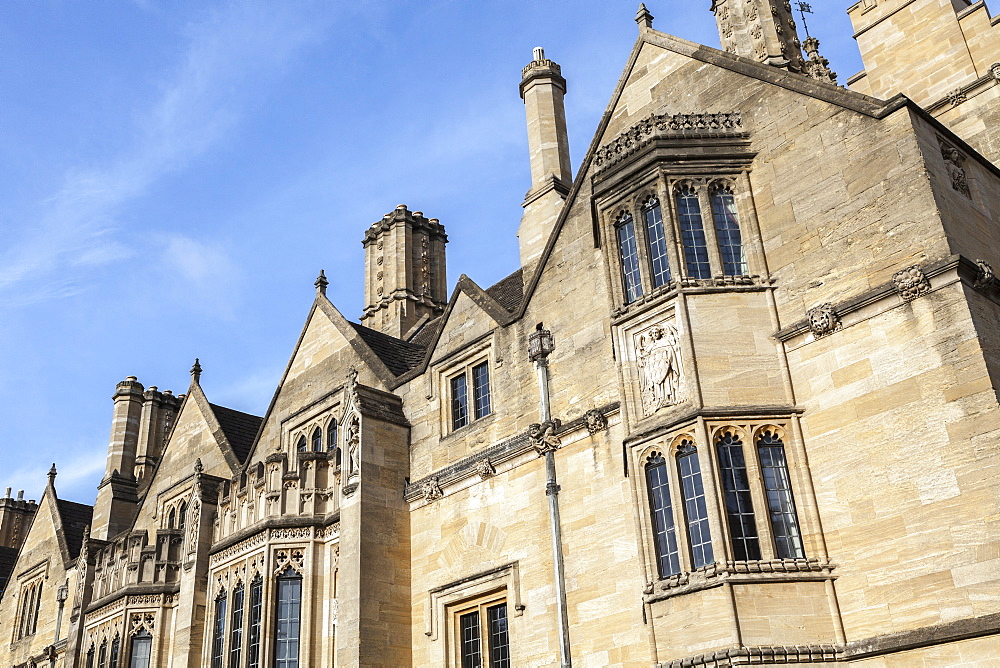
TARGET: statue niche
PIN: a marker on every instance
(659, 357)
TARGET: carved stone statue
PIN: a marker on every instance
(543, 436)
(353, 447)
(659, 368)
(953, 159)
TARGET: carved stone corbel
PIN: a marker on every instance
(911, 283)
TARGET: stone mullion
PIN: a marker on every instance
(708, 225)
(670, 237)
(635, 208)
(710, 479)
(762, 515)
(680, 516)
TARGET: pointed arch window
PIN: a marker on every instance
(780, 502)
(301, 445)
(317, 440)
(116, 646)
(664, 534)
(236, 628)
(253, 623)
(653, 214)
(727, 231)
(90, 656)
(693, 234)
(331, 440)
(739, 503)
(182, 514)
(142, 647)
(695, 509)
(629, 255)
(219, 630)
(288, 599)
(102, 655)
(171, 519)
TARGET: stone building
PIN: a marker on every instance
(737, 406)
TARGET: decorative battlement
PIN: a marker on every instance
(667, 126)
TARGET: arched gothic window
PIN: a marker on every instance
(653, 214)
(287, 619)
(90, 656)
(142, 646)
(172, 519)
(739, 504)
(301, 445)
(693, 234)
(331, 440)
(780, 502)
(116, 646)
(661, 509)
(102, 655)
(727, 231)
(219, 629)
(695, 509)
(182, 514)
(629, 255)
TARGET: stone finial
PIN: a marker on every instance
(643, 17)
(321, 283)
(196, 372)
(816, 65)
(52, 474)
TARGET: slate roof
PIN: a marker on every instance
(508, 291)
(8, 557)
(75, 518)
(400, 356)
(240, 429)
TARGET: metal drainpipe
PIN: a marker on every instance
(540, 344)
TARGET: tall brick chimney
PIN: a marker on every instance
(405, 273)
(542, 89)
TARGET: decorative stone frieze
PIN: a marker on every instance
(666, 125)
(658, 354)
(823, 320)
(956, 172)
(957, 97)
(984, 276)
(543, 437)
(911, 283)
(595, 421)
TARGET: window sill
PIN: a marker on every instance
(469, 428)
(688, 286)
(717, 574)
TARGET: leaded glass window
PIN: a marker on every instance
(693, 234)
(736, 492)
(695, 509)
(116, 646)
(253, 637)
(102, 655)
(481, 389)
(661, 509)
(331, 440)
(219, 630)
(287, 616)
(301, 444)
(142, 647)
(483, 637)
(90, 657)
(657, 242)
(459, 402)
(317, 440)
(780, 502)
(727, 231)
(629, 255)
(236, 628)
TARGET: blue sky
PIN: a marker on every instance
(175, 174)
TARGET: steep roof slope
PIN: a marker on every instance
(240, 429)
(75, 518)
(508, 291)
(400, 356)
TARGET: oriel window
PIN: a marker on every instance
(780, 502)
(739, 503)
(693, 234)
(287, 619)
(695, 509)
(727, 231)
(629, 256)
(657, 242)
(664, 533)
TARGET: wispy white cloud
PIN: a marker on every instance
(75, 472)
(202, 274)
(229, 54)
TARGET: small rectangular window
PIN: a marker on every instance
(483, 638)
(481, 389)
(664, 534)
(459, 402)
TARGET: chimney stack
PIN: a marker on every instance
(405, 277)
(158, 412)
(117, 495)
(542, 89)
(762, 30)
